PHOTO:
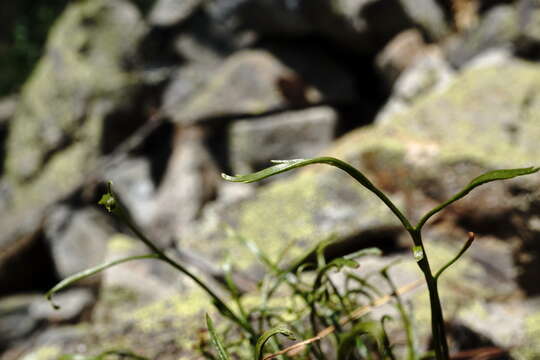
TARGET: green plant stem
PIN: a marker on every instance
(220, 304)
(461, 252)
(437, 319)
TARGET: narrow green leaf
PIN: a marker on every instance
(347, 341)
(280, 167)
(482, 179)
(263, 339)
(218, 344)
(89, 272)
(286, 165)
(500, 175)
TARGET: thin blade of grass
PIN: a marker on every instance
(89, 272)
(218, 344)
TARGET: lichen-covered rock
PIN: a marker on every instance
(498, 28)
(288, 217)
(287, 135)
(77, 238)
(254, 82)
(56, 133)
(171, 12)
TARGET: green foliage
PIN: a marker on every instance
(218, 344)
(438, 328)
(309, 303)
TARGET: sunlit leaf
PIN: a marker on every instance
(89, 272)
(480, 180)
(499, 175)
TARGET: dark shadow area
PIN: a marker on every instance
(384, 239)
(158, 147)
(31, 269)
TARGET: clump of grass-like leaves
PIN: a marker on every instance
(302, 298)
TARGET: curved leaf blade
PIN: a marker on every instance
(500, 175)
(89, 272)
(263, 339)
(494, 175)
(280, 167)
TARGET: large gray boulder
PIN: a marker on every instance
(57, 131)
(255, 82)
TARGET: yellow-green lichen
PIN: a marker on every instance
(55, 136)
(44, 353)
(170, 312)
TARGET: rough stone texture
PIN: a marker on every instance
(132, 181)
(287, 135)
(262, 83)
(77, 238)
(528, 42)
(136, 303)
(171, 12)
(428, 15)
(15, 320)
(56, 131)
(298, 213)
(189, 182)
(400, 53)
(498, 28)
(428, 74)
(75, 304)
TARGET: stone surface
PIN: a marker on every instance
(190, 181)
(400, 53)
(56, 131)
(171, 12)
(287, 135)
(263, 83)
(528, 41)
(498, 28)
(132, 181)
(74, 305)
(428, 15)
(77, 238)
(15, 320)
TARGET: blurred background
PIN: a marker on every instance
(162, 96)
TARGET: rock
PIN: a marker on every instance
(23, 253)
(56, 134)
(74, 306)
(428, 15)
(15, 321)
(189, 182)
(399, 54)
(498, 28)
(485, 134)
(171, 12)
(528, 41)
(287, 135)
(132, 181)
(293, 215)
(430, 73)
(77, 238)
(263, 83)
(282, 18)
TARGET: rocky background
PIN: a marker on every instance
(162, 96)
